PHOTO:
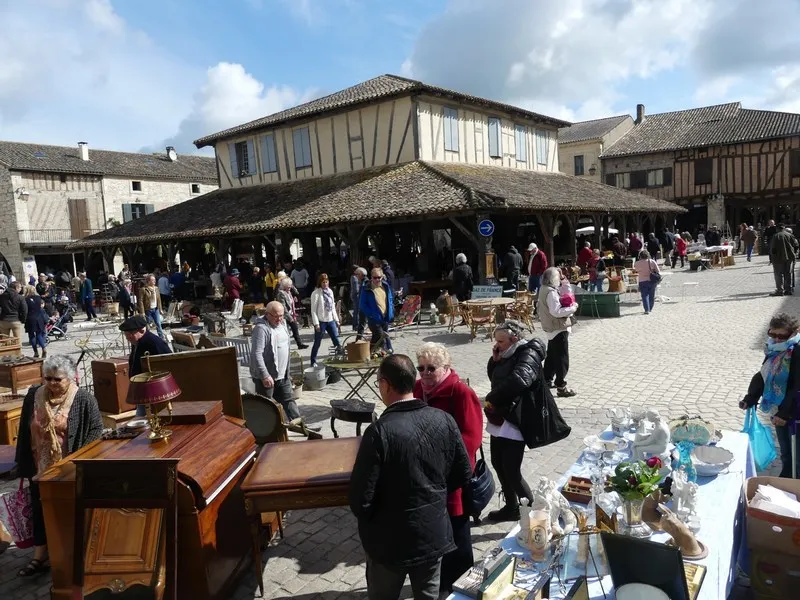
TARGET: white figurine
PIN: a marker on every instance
(547, 497)
(684, 494)
(655, 443)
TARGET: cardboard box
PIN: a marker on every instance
(773, 575)
(769, 532)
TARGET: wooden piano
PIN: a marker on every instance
(213, 533)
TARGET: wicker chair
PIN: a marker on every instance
(478, 316)
(521, 311)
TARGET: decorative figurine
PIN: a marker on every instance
(684, 497)
(682, 536)
(685, 462)
(547, 497)
(655, 443)
(620, 420)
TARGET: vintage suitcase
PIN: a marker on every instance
(111, 382)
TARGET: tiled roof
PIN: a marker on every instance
(67, 159)
(397, 192)
(699, 127)
(379, 88)
(589, 130)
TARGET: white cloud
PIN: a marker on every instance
(579, 59)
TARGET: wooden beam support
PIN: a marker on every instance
(467, 233)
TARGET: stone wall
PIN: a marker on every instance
(9, 238)
(161, 194)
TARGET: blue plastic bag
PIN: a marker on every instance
(761, 442)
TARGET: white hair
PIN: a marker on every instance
(461, 259)
(59, 364)
(361, 271)
(551, 277)
(285, 284)
(436, 354)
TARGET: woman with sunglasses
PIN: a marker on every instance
(778, 383)
(441, 387)
(58, 418)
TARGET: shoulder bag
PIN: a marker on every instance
(655, 276)
(540, 421)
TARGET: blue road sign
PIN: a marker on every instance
(486, 228)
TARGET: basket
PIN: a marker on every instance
(358, 352)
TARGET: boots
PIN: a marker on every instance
(35, 354)
(510, 512)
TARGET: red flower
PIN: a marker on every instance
(654, 462)
(632, 480)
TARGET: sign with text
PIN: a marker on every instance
(482, 292)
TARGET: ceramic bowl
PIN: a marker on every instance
(711, 460)
(598, 444)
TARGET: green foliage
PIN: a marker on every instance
(634, 481)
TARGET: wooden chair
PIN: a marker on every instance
(241, 344)
(453, 311)
(479, 316)
(140, 496)
(183, 342)
(521, 311)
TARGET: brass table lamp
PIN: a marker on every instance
(153, 388)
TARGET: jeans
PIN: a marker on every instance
(785, 444)
(648, 291)
(507, 463)
(281, 392)
(513, 279)
(355, 315)
(459, 561)
(783, 276)
(675, 259)
(749, 251)
(333, 332)
(556, 364)
(596, 285)
(385, 582)
(534, 283)
(37, 340)
(380, 329)
(88, 308)
(154, 315)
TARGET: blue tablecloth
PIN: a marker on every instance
(722, 516)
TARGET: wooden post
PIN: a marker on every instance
(597, 220)
(483, 245)
(172, 251)
(546, 221)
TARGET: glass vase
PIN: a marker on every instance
(632, 524)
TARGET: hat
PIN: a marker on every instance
(134, 323)
(234, 272)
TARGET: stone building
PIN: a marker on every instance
(581, 145)
(51, 196)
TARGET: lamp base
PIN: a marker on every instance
(157, 436)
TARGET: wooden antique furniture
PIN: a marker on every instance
(111, 380)
(10, 412)
(297, 475)
(213, 540)
(21, 374)
(10, 346)
(140, 497)
(479, 314)
(353, 410)
(264, 418)
(7, 460)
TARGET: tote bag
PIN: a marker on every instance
(761, 443)
(16, 514)
(540, 419)
(481, 487)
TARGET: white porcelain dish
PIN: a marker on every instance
(711, 460)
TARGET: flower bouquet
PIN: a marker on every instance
(634, 481)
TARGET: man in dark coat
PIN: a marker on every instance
(782, 254)
(769, 233)
(142, 342)
(409, 460)
(512, 267)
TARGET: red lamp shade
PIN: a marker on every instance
(152, 388)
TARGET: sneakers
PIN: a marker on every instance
(507, 513)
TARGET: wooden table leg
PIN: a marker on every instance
(333, 429)
(255, 529)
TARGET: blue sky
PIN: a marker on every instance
(140, 74)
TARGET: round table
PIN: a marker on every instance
(503, 302)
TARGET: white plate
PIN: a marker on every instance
(136, 424)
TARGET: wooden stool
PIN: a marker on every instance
(352, 411)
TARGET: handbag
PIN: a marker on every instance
(16, 514)
(481, 487)
(655, 276)
(761, 443)
(540, 421)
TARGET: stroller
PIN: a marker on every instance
(57, 329)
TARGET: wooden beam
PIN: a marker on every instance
(467, 233)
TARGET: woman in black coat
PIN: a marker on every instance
(36, 321)
(462, 279)
(515, 371)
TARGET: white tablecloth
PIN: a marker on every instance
(722, 517)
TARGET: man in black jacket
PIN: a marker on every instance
(13, 311)
(142, 342)
(409, 460)
(512, 267)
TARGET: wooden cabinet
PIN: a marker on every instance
(111, 380)
(20, 375)
(10, 412)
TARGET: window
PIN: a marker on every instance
(450, 129)
(667, 176)
(62, 178)
(611, 179)
(269, 161)
(623, 180)
(578, 164)
(302, 148)
(521, 143)
(638, 180)
(541, 147)
(703, 170)
(136, 186)
(495, 147)
(794, 163)
(131, 212)
(243, 159)
(195, 188)
(655, 178)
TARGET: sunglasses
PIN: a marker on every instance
(378, 382)
(377, 278)
(779, 336)
(423, 368)
(54, 379)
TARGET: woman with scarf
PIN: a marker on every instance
(441, 387)
(323, 315)
(778, 382)
(58, 418)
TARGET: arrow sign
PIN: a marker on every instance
(486, 228)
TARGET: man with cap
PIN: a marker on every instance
(142, 342)
(536, 267)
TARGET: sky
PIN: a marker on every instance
(138, 75)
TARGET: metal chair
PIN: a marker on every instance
(409, 314)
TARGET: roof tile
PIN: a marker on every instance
(589, 130)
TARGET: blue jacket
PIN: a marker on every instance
(369, 308)
(87, 291)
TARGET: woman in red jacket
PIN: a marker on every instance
(440, 386)
(680, 251)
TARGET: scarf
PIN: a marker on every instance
(51, 451)
(775, 371)
(513, 348)
(327, 299)
(428, 393)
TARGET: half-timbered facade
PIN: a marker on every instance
(726, 164)
(581, 145)
(387, 120)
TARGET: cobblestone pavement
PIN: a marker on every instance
(694, 354)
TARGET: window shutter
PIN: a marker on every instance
(234, 163)
(252, 167)
(541, 147)
(307, 146)
(149, 209)
(450, 129)
(269, 163)
(667, 176)
(519, 138)
(494, 138)
(611, 179)
(127, 213)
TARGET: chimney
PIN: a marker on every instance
(83, 148)
(639, 113)
(171, 154)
